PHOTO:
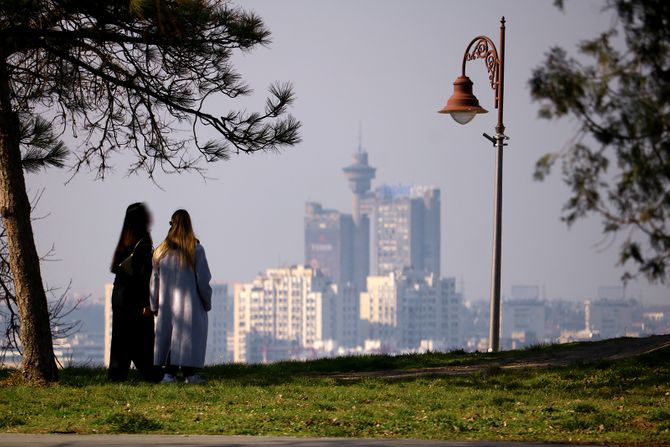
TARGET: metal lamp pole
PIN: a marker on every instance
(463, 106)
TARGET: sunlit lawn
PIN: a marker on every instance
(623, 402)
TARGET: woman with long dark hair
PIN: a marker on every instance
(132, 320)
(181, 297)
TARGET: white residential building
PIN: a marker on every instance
(523, 322)
(410, 311)
(345, 325)
(610, 318)
(284, 313)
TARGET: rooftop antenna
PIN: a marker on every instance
(360, 137)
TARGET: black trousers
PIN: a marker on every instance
(132, 341)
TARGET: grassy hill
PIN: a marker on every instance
(615, 391)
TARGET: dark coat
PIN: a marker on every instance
(132, 291)
(132, 332)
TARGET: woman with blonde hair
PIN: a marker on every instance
(180, 298)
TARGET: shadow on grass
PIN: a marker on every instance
(606, 373)
(646, 370)
(131, 423)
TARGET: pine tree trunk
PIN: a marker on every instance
(38, 361)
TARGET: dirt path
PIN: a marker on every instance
(588, 352)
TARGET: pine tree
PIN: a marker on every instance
(135, 76)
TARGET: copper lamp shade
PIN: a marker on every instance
(463, 104)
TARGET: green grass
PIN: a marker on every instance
(605, 402)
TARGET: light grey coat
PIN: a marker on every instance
(182, 297)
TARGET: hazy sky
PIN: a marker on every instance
(389, 65)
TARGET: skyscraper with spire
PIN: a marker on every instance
(360, 174)
(338, 243)
(395, 227)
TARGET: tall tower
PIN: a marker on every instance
(359, 174)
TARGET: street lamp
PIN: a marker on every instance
(463, 106)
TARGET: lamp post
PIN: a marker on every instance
(463, 106)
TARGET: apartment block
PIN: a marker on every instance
(284, 313)
(410, 310)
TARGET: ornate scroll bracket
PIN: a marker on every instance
(481, 47)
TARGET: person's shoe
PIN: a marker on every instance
(195, 379)
(169, 378)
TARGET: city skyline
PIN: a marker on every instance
(407, 311)
(394, 85)
(390, 228)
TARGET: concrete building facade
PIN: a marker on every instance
(407, 229)
(411, 310)
(284, 313)
(524, 316)
(609, 318)
(523, 322)
(329, 243)
(345, 323)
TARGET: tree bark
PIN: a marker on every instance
(38, 360)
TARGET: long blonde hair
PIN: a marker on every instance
(180, 237)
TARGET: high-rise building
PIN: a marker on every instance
(411, 310)
(220, 326)
(360, 174)
(329, 240)
(609, 318)
(523, 318)
(379, 310)
(611, 315)
(407, 294)
(284, 313)
(345, 322)
(407, 229)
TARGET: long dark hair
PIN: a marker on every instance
(135, 227)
